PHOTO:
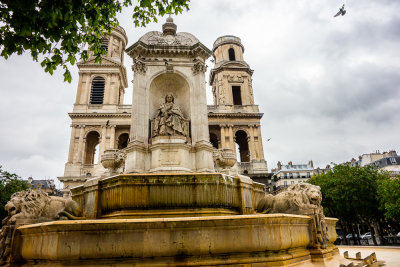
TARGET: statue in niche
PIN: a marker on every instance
(169, 119)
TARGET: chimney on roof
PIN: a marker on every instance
(30, 179)
(290, 163)
(328, 166)
(353, 160)
(279, 165)
(311, 163)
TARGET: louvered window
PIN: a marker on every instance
(104, 44)
(97, 93)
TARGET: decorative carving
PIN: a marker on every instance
(115, 48)
(303, 199)
(158, 38)
(214, 91)
(33, 206)
(112, 159)
(251, 96)
(221, 92)
(169, 120)
(235, 78)
(224, 158)
(36, 204)
(199, 67)
(139, 66)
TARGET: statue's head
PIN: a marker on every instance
(169, 98)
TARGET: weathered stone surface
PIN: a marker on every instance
(302, 199)
(29, 207)
(167, 195)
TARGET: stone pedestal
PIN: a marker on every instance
(170, 154)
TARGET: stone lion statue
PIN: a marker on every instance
(302, 199)
(33, 206)
(297, 198)
(36, 204)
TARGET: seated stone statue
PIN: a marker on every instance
(169, 119)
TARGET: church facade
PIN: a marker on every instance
(101, 122)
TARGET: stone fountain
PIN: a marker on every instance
(170, 198)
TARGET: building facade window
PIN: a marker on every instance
(308, 175)
(97, 92)
(231, 53)
(236, 95)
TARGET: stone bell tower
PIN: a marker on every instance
(169, 128)
(234, 119)
(100, 121)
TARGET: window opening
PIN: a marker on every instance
(92, 148)
(237, 98)
(97, 92)
(123, 140)
(231, 52)
(242, 146)
(104, 44)
(214, 140)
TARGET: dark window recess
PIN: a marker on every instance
(97, 93)
(123, 140)
(241, 140)
(214, 140)
(104, 44)
(237, 98)
(231, 52)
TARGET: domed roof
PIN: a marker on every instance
(168, 42)
(159, 38)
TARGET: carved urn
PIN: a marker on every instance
(112, 159)
(225, 158)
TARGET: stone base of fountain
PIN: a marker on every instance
(239, 240)
(203, 219)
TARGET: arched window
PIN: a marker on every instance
(104, 44)
(242, 146)
(123, 140)
(214, 140)
(97, 92)
(92, 142)
(231, 52)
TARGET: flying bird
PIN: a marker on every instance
(341, 12)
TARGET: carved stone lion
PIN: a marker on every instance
(298, 197)
(302, 199)
(33, 204)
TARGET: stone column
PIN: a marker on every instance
(112, 137)
(71, 145)
(102, 145)
(231, 139)
(223, 145)
(251, 143)
(259, 142)
(80, 144)
(110, 46)
(85, 93)
(108, 90)
(81, 83)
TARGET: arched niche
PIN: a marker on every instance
(169, 83)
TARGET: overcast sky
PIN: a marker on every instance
(328, 87)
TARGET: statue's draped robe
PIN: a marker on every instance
(169, 120)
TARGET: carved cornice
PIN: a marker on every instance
(99, 115)
(235, 115)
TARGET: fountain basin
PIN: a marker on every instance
(273, 239)
(167, 195)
